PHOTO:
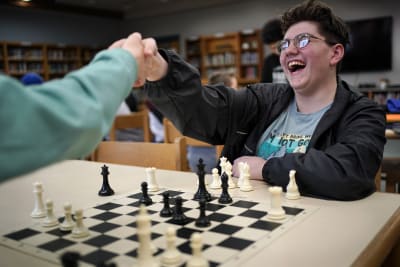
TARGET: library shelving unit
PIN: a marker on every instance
(239, 52)
(251, 55)
(2, 52)
(88, 53)
(220, 52)
(193, 51)
(48, 60)
(381, 96)
(61, 59)
(23, 57)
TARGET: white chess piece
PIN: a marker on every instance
(222, 163)
(216, 180)
(276, 212)
(68, 223)
(171, 255)
(79, 229)
(145, 251)
(152, 185)
(228, 171)
(50, 219)
(292, 191)
(38, 211)
(240, 179)
(245, 185)
(197, 259)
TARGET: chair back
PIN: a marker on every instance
(138, 119)
(171, 132)
(144, 154)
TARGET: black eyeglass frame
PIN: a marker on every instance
(297, 39)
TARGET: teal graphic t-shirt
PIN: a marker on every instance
(290, 133)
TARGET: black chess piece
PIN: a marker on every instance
(179, 217)
(145, 198)
(202, 192)
(203, 220)
(224, 198)
(70, 259)
(106, 189)
(166, 210)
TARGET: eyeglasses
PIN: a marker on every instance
(300, 41)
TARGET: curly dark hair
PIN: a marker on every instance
(271, 31)
(333, 28)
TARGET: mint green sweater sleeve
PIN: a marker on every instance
(61, 119)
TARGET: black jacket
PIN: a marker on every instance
(341, 160)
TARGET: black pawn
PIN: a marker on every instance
(145, 199)
(202, 192)
(203, 220)
(166, 211)
(178, 216)
(224, 198)
(106, 189)
(70, 259)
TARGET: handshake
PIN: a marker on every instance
(151, 65)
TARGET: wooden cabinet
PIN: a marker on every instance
(237, 52)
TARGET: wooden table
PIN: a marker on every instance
(355, 233)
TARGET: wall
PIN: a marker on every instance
(254, 13)
(55, 27)
(18, 24)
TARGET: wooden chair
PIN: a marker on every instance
(145, 154)
(138, 119)
(171, 132)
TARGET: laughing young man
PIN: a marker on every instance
(317, 125)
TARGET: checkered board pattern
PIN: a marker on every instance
(238, 231)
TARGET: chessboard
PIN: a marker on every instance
(238, 231)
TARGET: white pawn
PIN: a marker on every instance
(276, 212)
(228, 171)
(68, 223)
(152, 185)
(145, 250)
(171, 256)
(245, 174)
(216, 180)
(197, 259)
(292, 191)
(240, 179)
(50, 219)
(79, 229)
(38, 211)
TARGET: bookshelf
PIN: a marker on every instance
(237, 52)
(251, 56)
(2, 52)
(20, 58)
(48, 60)
(87, 53)
(193, 51)
(220, 52)
(61, 59)
(381, 96)
(169, 42)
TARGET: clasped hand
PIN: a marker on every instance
(151, 65)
